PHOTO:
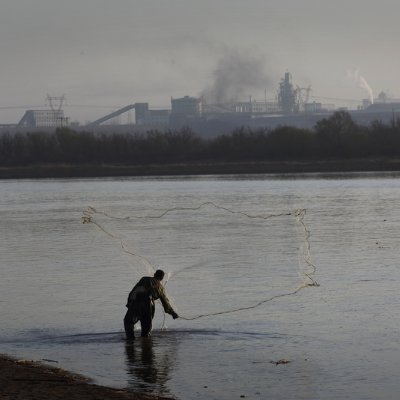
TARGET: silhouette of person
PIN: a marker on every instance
(141, 304)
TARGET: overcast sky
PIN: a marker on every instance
(114, 53)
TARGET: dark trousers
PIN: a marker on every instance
(141, 310)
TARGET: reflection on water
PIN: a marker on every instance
(149, 364)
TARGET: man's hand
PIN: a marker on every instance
(175, 315)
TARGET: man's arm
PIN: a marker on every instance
(165, 302)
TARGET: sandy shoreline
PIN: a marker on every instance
(30, 380)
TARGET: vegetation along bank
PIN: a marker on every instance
(335, 144)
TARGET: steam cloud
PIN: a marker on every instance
(236, 77)
(362, 83)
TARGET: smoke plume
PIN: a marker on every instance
(236, 77)
(362, 83)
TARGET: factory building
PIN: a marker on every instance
(43, 119)
(287, 95)
(289, 105)
(159, 118)
(142, 113)
(145, 116)
(185, 110)
(315, 107)
(256, 107)
(187, 107)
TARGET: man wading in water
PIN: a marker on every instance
(141, 304)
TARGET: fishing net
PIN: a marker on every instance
(242, 258)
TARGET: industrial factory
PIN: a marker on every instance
(290, 106)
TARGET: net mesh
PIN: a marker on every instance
(246, 259)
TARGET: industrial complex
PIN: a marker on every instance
(291, 106)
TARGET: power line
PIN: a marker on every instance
(336, 99)
(65, 105)
(19, 107)
(89, 106)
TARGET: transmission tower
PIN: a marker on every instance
(57, 118)
(56, 103)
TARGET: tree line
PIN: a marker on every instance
(335, 137)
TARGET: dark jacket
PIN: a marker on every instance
(149, 288)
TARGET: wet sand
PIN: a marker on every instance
(29, 380)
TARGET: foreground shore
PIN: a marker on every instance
(212, 168)
(28, 380)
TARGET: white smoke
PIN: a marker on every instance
(362, 83)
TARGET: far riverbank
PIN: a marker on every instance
(220, 168)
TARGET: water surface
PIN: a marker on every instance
(64, 284)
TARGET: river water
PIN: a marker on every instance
(234, 249)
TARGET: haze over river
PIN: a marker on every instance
(229, 244)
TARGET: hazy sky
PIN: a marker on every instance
(114, 53)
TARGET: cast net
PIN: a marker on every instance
(218, 260)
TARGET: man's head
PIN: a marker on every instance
(159, 275)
